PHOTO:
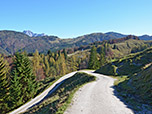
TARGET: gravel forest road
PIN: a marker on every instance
(97, 98)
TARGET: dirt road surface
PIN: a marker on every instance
(97, 98)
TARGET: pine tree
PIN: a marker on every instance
(16, 96)
(4, 85)
(22, 68)
(31, 79)
(59, 53)
(65, 54)
(56, 56)
(93, 61)
(18, 69)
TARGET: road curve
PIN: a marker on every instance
(40, 97)
(97, 98)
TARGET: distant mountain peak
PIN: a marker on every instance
(31, 34)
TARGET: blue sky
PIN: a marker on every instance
(72, 18)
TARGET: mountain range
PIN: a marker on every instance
(115, 34)
(12, 41)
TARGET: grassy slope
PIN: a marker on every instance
(57, 102)
(142, 85)
(128, 65)
(136, 92)
(127, 47)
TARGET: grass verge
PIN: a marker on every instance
(119, 79)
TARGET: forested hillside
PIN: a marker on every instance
(23, 77)
(12, 41)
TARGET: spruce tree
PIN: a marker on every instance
(56, 56)
(93, 61)
(22, 68)
(4, 85)
(31, 79)
(18, 69)
(16, 96)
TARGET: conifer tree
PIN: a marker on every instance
(4, 85)
(65, 54)
(16, 96)
(18, 69)
(93, 61)
(22, 68)
(56, 56)
(31, 79)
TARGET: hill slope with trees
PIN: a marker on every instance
(127, 65)
(12, 41)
